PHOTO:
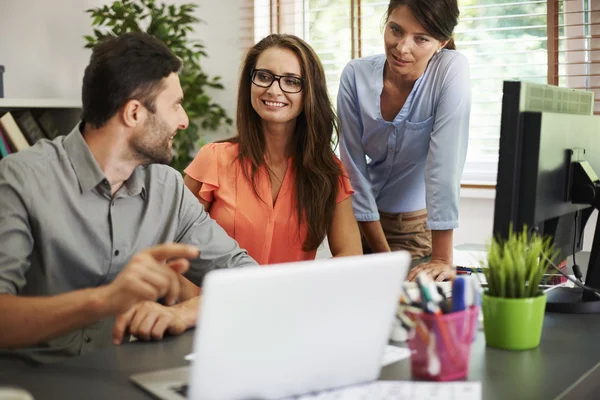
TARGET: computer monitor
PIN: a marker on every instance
(548, 160)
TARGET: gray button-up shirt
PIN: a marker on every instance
(62, 230)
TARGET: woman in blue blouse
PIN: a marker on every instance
(405, 123)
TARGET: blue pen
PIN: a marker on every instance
(467, 270)
(462, 293)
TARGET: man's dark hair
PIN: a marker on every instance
(122, 68)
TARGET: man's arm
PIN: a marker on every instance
(27, 321)
(217, 248)
(150, 320)
(195, 187)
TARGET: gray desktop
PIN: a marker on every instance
(567, 352)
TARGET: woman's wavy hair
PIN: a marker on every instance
(314, 162)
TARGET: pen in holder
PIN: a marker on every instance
(440, 344)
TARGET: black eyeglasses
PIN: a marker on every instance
(287, 83)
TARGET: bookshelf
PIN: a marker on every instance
(66, 112)
(49, 117)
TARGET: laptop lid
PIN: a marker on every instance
(295, 328)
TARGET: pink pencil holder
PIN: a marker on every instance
(440, 344)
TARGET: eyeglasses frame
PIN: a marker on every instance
(275, 78)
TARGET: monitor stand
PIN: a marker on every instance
(583, 187)
(575, 300)
(570, 301)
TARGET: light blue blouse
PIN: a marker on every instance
(415, 161)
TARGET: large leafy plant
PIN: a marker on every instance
(516, 266)
(171, 24)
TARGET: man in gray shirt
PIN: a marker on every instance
(79, 216)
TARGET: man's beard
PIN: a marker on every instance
(152, 145)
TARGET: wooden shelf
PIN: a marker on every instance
(7, 103)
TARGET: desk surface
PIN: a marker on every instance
(569, 349)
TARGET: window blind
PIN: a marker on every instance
(540, 41)
(574, 45)
(503, 40)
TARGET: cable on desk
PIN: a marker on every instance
(534, 229)
(581, 285)
(556, 287)
(576, 269)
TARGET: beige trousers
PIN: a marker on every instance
(406, 231)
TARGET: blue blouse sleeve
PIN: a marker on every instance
(351, 149)
(448, 146)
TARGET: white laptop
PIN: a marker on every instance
(288, 329)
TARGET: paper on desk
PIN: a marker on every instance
(400, 390)
(391, 354)
(469, 258)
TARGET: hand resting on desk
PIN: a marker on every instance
(438, 270)
(150, 320)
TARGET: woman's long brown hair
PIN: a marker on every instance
(314, 162)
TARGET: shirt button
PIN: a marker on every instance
(116, 253)
(87, 339)
(112, 203)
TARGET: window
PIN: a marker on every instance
(542, 41)
(574, 49)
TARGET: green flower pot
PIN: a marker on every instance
(513, 324)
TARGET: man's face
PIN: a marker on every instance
(153, 143)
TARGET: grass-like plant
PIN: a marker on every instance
(516, 266)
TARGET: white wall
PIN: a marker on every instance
(41, 46)
(476, 217)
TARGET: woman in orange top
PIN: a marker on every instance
(277, 187)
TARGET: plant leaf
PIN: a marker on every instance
(515, 266)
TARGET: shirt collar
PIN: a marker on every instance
(86, 168)
(136, 184)
(89, 172)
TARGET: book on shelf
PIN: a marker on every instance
(4, 147)
(13, 132)
(46, 121)
(29, 126)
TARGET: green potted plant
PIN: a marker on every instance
(171, 24)
(513, 305)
